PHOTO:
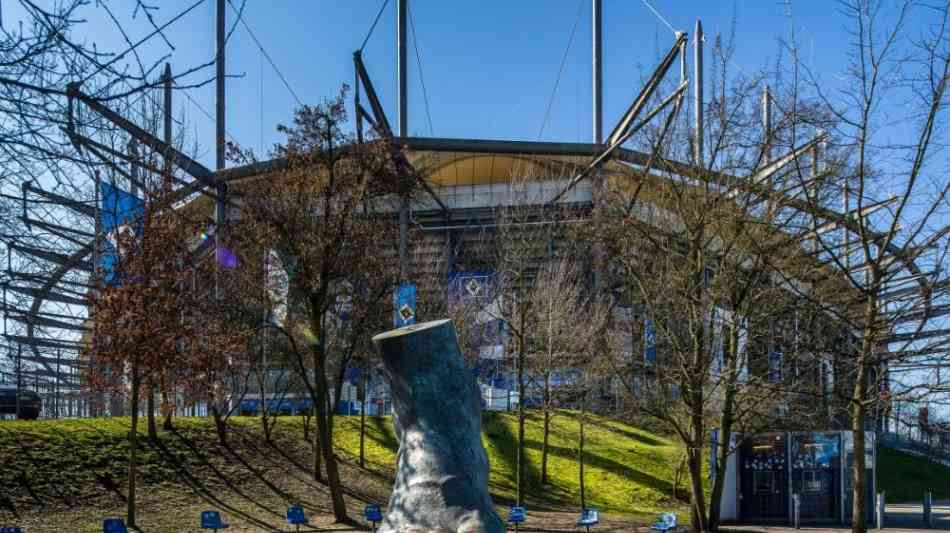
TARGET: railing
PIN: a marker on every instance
(916, 447)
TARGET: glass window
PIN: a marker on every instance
(763, 482)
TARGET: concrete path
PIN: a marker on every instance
(910, 516)
(899, 518)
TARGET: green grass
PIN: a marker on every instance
(906, 478)
(73, 471)
(628, 471)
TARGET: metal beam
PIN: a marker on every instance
(938, 350)
(382, 128)
(167, 126)
(600, 159)
(221, 186)
(58, 376)
(189, 165)
(914, 336)
(597, 70)
(47, 295)
(45, 360)
(39, 278)
(402, 73)
(363, 114)
(899, 294)
(646, 92)
(905, 279)
(43, 343)
(52, 257)
(924, 314)
(774, 166)
(854, 215)
(55, 276)
(187, 188)
(40, 321)
(766, 125)
(402, 123)
(70, 234)
(698, 95)
(219, 63)
(378, 113)
(79, 207)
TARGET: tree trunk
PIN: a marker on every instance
(678, 475)
(694, 461)
(220, 425)
(166, 407)
(363, 421)
(858, 472)
(725, 428)
(580, 451)
(150, 414)
(694, 457)
(859, 413)
(858, 468)
(547, 428)
(133, 445)
(334, 401)
(520, 461)
(326, 442)
(265, 422)
(315, 449)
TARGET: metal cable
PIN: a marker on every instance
(422, 80)
(560, 72)
(373, 27)
(658, 15)
(266, 55)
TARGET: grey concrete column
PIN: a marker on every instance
(441, 467)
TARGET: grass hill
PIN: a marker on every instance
(66, 475)
(906, 478)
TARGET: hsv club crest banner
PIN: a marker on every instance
(120, 215)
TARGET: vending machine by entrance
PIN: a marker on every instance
(816, 475)
(766, 473)
(763, 478)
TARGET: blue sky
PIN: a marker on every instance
(489, 66)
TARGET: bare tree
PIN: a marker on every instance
(564, 328)
(891, 250)
(692, 249)
(321, 211)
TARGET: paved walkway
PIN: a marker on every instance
(898, 518)
(910, 516)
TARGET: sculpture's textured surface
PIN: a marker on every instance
(441, 467)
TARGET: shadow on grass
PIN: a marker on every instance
(250, 441)
(610, 465)
(22, 478)
(632, 435)
(498, 433)
(203, 491)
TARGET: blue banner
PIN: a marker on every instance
(775, 365)
(649, 341)
(120, 214)
(353, 374)
(713, 453)
(474, 293)
(404, 303)
(718, 342)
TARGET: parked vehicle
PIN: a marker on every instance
(30, 403)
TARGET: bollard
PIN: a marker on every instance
(880, 510)
(796, 510)
(928, 504)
